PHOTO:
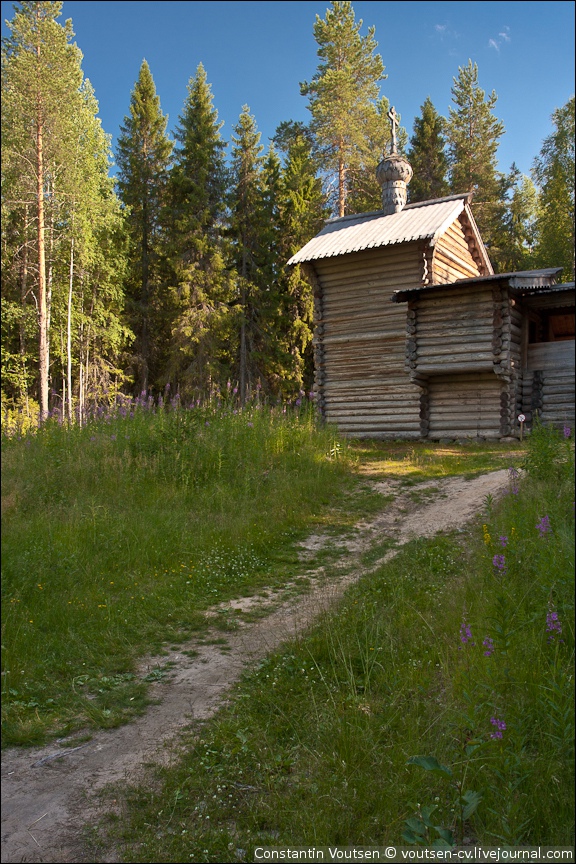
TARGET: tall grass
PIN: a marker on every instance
(434, 706)
(117, 535)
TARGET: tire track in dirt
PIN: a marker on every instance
(48, 794)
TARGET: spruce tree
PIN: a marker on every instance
(473, 134)
(200, 283)
(515, 244)
(427, 155)
(343, 98)
(143, 158)
(246, 234)
(301, 213)
(553, 173)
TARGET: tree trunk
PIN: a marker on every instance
(243, 351)
(341, 186)
(42, 312)
(69, 335)
(23, 296)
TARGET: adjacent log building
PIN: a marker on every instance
(416, 337)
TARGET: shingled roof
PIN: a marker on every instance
(426, 220)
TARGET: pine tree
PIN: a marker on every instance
(427, 155)
(473, 133)
(143, 158)
(201, 286)
(55, 191)
(41, 74)
(553, 173)
(246, 230)
(343, 97)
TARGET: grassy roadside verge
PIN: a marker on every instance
(433, 706)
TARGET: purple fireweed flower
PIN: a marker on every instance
(567, 431)
(488, 644)
(553, 624)
(544, 526)
(466, 634)
(298, 402)
(235, 391)
(500, 727)
(503, 540)
(499, 563)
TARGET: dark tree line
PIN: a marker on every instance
(177, 275)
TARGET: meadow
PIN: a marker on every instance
(118, 535)
(433, 706)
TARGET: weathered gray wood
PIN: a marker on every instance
(550, 355)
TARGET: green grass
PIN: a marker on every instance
(315, 748)
(117, 537)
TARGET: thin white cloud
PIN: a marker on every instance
(503, 38)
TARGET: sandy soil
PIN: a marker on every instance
(48, 794)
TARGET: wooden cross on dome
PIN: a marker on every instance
(393, 117)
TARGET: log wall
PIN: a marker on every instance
(452, 257)
(361, 383)
(452, 332)
(548, 383)
(465, 406)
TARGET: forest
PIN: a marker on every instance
(170, 280)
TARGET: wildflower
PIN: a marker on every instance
(544, 526)
(466, 633)
(500, 727)
(503, 540)
(553, 624)
(499, 563)
(567, 431)
(487, 539)
(298, 403)
(488, 644)
(251, 425)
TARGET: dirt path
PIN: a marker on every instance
(46, 793)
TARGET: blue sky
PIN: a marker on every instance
(257, 53)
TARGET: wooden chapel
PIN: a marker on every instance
(415, 336)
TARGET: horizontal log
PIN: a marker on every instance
(373, 336)
(438, 369)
